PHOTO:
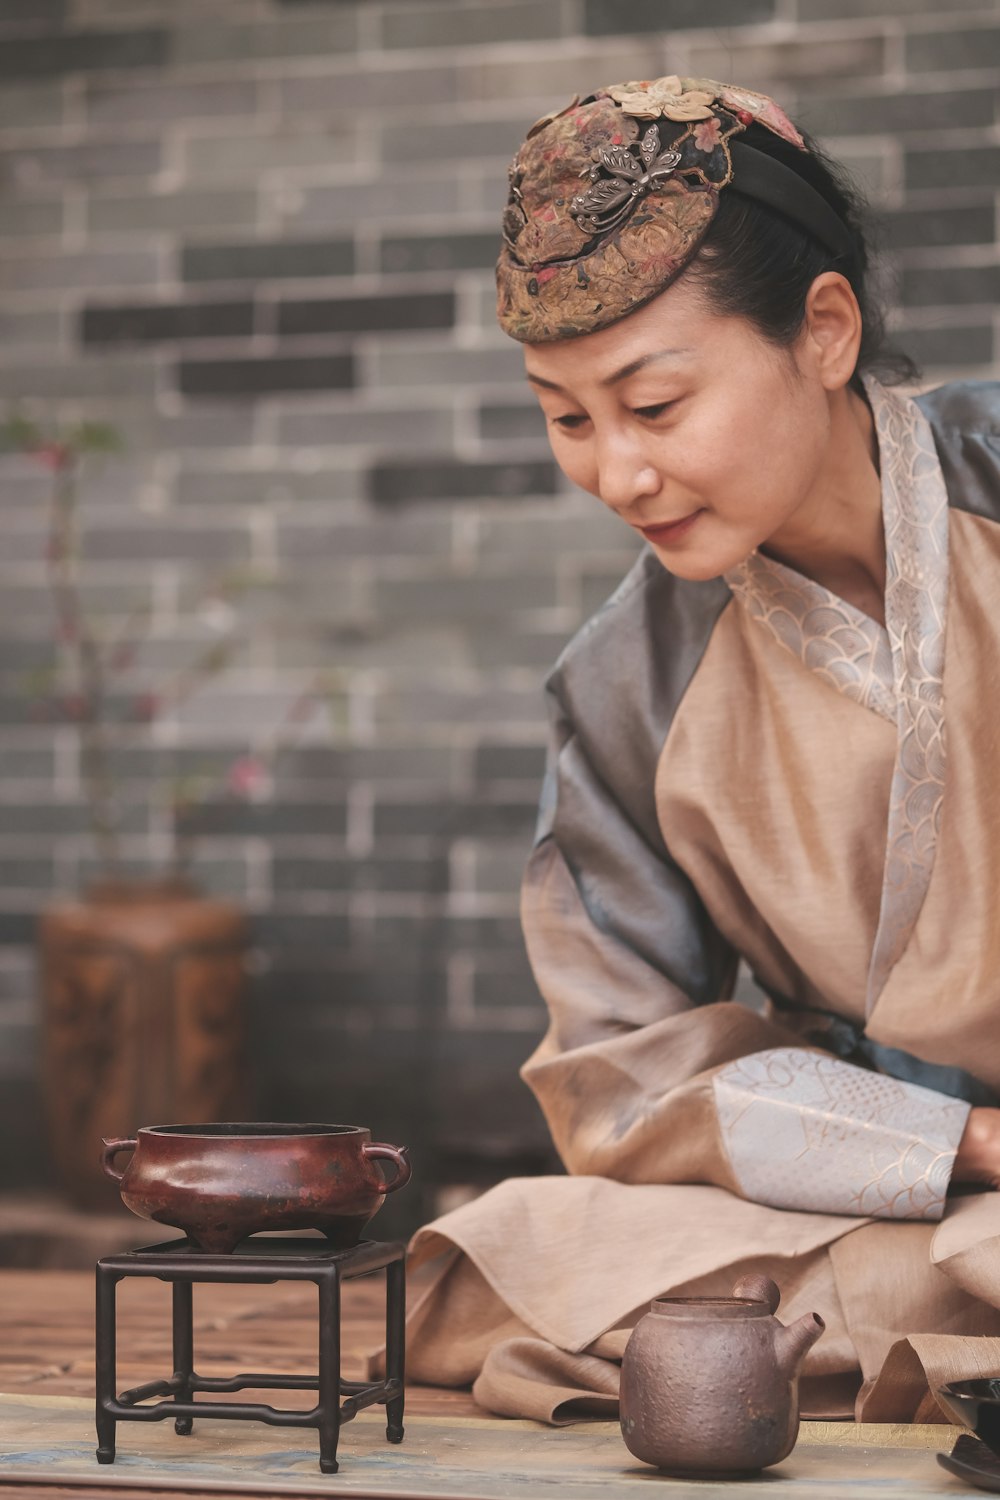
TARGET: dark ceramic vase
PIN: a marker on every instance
(144, 997)
(223, 1182)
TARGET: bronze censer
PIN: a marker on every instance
(221, 1183)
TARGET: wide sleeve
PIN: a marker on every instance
(650, 1072)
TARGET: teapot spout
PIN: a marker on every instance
(793, 1343)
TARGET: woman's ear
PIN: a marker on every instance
(833, 329)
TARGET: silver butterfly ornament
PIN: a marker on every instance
(610, 200)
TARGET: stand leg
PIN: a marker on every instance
(395, 1345)
(106, 1361)
(183, 1349)
(328, 1398)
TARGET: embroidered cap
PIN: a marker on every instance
(611, 197)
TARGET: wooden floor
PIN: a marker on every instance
(47, 1342)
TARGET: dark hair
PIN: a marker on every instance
(756, 264)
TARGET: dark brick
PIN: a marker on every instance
(274, 259)
(427, 763)
(27, 816)
(615, 17)
(448, 819)
(26, 873)
(453, 140)
(17, 928)
(415, 429)
(368, 314)
(464, 599)
(146, 103)
(929, 228)
(34, 166)
(951, 51)
(31, 763)
(82, 51)
(299, 930)
(152, 539)
(206, 40)
(504, 421)
(296, 874)
(144, 213)
(947, 346)
(493, 981)
(251, 377)
(267, 819)
(136, 325)
(33, 13)
(32, 217)
(942, 286)
(23, 106)
(410, 25)
(965, 166)
(447, 480)
(510, 762)
(762, 64)
(439, 252)
(367, 88)
(819, 10)
(923, 109)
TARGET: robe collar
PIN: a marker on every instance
(896, 671)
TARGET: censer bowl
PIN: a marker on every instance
(220, 1183)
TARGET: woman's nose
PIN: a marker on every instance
(624, 472)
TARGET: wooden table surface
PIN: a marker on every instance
(47, 1343)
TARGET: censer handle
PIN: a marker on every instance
(398, 1154)
(111, 1150)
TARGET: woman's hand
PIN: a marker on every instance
(978, 1158)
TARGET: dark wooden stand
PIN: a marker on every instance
(262, 1260)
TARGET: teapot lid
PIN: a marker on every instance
(709, 1307)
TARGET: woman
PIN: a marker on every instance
(777, 743)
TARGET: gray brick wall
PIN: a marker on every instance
(257, 235)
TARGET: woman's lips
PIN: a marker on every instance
(665, 532)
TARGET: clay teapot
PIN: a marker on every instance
(709, 1386)
(220, 1183)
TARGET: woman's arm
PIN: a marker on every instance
(650, 1074)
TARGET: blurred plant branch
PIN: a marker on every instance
(78, 689)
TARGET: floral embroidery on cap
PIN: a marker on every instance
(664, 97)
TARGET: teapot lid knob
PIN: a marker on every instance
(758, 1288)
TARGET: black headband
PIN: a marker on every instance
(761, 177)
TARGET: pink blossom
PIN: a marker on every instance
(54, 456)
(249, 778)
(706, 134)
(145, 708)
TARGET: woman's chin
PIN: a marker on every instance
(696, 567)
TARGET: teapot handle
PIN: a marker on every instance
(111, 1150)
(397, 1154)
(758, 1288)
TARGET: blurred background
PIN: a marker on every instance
(284, 558)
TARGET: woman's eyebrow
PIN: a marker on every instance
(631, 368)
(638, 364)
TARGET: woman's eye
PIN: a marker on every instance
(568, 423)
(652, 411)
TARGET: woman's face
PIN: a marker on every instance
(690, 426)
